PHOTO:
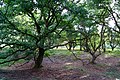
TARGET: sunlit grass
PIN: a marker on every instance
(115, 52)
(61, 52)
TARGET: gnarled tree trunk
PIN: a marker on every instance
(93, 59)
(39, 59)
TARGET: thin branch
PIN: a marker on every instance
(33, 36)
(51, 47)
(82, 60)
(50, 59)
(48, 47)
(35, 21)
(15, 59)
(18, 44)
(22, 64)
(111, 12)
(13, 53)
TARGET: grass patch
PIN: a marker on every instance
(115, 53)
(60, 52)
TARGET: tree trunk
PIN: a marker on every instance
(80, 47)
(112, 48)
(93, 59)
(70, 46)
(80, 44)
(38, 61)
(104, 47)
(86, 49)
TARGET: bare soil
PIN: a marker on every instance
(66, 68)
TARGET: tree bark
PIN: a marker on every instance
(70, 45)
(112, 48)
(86, 49)
(104, 47)
(38, 61)
(93, 59)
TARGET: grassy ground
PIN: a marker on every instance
(116, 52)
(62, 52)
(66, 67)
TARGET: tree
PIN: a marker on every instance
(113, 39)
(93, 27)
(114, 15)
(29, 28)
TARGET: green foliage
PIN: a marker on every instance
(27, 26)
(47, 53)
(60, 52)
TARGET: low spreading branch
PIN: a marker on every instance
(15, 59)
(1, 57)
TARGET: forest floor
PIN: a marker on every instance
(66, 68)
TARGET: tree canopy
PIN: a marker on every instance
(30, 27)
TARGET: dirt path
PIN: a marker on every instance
(65, 68)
